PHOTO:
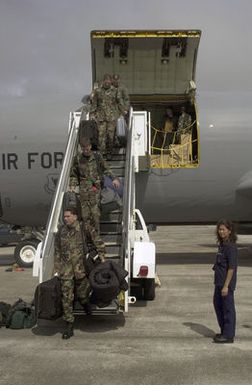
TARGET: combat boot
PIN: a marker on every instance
(68, 332)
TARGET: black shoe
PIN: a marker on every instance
(223, 340)
(68, 332)
(217, 335)
(87, 308)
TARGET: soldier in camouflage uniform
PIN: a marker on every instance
(184, 122)
(123, 105)
(122, 96)
(87, 107)
(105, 101)
(87, 172)
(68, 265)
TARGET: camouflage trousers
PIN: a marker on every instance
(69, 287)
(106, 136)
(90, 212)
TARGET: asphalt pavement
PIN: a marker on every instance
(167, 341)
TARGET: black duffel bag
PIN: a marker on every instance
(106, 281)
(91, 260)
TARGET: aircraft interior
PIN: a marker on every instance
(171, 145)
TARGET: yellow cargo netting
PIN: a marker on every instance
(166, 153)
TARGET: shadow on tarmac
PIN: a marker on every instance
(87, 324)
(200, 329)
(6, 262)
(244, 258)
(6, 255)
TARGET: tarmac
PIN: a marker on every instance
(167, 341)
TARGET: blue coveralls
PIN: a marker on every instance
(226, 258)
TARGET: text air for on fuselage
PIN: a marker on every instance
(30, 160)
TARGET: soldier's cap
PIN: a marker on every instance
(85, 141)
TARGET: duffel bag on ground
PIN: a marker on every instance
(21, 315)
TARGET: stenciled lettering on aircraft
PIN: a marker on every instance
(9, 161)
(46, 160)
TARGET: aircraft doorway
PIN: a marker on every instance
(174, 139)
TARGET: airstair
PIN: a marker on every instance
(122, 228)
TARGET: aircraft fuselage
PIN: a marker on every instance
(29, 170)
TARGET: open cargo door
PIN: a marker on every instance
(159, 70)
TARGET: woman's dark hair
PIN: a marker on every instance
(230, 226)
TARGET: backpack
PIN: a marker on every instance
(71, 200)
(109, 195)
(89, 129)
(4, 311)
(47, 299)
(21, 315)
(110, 200)
(108, 183)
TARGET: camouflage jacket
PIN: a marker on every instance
(68, 257)
(123, 99)
(88, 172)
(184, 122)
(105, 104)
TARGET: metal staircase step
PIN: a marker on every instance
(116, 157)
(113, 249)
(110, 227)
(110, 232)
(111, 216)
(114, 257)
(113, 244)
(117, 164)
(112, 308)
(113, 238)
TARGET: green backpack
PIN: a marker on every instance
(21, 315)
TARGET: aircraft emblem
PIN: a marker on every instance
(51, 183)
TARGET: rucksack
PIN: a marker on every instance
(71, 200)
(89, 129)
(21, 315)
(110, 197)
(47, 299)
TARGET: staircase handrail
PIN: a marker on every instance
(53, 219)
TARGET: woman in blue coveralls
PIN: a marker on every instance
(225, 273)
